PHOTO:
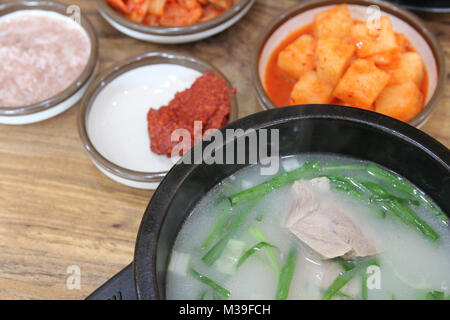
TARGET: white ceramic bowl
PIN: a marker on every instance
(174, 35)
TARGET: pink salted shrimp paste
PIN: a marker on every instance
(41, 55)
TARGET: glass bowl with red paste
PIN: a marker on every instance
(129, 112)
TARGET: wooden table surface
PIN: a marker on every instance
(57, 210)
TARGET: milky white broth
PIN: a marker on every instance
(410, 264)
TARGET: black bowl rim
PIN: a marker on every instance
(144, 275)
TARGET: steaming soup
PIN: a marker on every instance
(323, 227)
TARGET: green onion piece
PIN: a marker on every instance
(240, 219)
(226, 263)
(340, 294)
(391, 179)
(388, 202)
(357, 185)
(334, 168)
(380, 212)
(339, 283)
(261, 216)
(411, 218)
(217, 296)
(216, 251)
(229, 190)
(343, 295)
(258, 235)
(406, 188)
(345, 264)
(211, 283)
(435, 295)
(218, 228)
(268, 186)
(345, 277)
(247, 254)
(364, 289)
(356, 189)
(403, 201)
(203, 295)
(437, 211)
(381, 194)
(376, 188)
(348, 185)
(286, 274)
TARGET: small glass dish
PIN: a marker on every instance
(117, 139)
(71, 95)
(174, 35)
(403, 21)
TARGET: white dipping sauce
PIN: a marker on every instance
(117, 121)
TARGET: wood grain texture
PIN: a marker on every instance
(58, 210)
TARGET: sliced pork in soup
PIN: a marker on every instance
(324, 228)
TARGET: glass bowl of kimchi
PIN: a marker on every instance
(357, 68)
(171, 22)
